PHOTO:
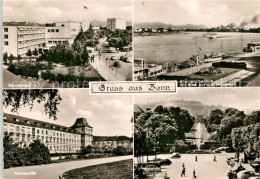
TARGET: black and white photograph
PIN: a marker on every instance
(66, 43)
(197, 42)
(66, 133)
(200, 133)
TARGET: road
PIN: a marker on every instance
(53, 171)
(105, 69)
(205, 168)
(11, 80)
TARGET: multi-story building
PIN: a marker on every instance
(59, 139)
(112, 141)
(18, 37)
(116, 23)
(61, 33)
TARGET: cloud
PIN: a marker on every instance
(192, 6)
(84, 113)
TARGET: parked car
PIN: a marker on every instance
(165, 162)
(156, 163)
(140, 173)
(245, 174)
(149, 169)
(113, 58)
(220, 149)
(238, 168)
(176, 155)
(229, 159)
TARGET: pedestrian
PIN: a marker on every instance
(230, 174)
(183, 166)
(196, 158)
(194, 174)
(183, 171)
(215, 158)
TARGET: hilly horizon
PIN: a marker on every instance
(156, 25)
(194, 107)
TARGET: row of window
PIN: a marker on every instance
(39, 131)
(53, 30)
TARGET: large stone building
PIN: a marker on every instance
(59, 139)
(61, 33)
(116, 23)
(18, 37)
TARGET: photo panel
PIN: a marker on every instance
(66, 43)
(197, 42)
(198, 133)
(67, 133)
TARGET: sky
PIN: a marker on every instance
(107, 114)
(47, 11)
(211, 13)
(245, 99)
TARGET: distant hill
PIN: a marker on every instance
(194, 107)
(104, 23)
(156, 25)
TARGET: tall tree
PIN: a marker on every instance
(18, 98)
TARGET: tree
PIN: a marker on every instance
(18, 98)
(11, 58)
(87, 150)
(35, 52)
(237, 141)
(40, 153)
(29, 53)
(5, 57)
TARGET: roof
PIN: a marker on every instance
(81, 122)
(110, 138)
(13, 23)
(36, 123)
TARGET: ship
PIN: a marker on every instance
(143, 71)
(213, 57)
(210, 35)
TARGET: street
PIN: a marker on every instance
(205, 168)
(105, 67)
(53, 171)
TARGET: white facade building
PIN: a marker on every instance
(116, 23)
(61, 33)
(18, 37)
(58, 139)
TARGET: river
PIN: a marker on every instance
(181, 46)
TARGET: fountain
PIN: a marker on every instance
(198, 135)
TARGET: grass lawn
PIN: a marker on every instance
(115, 170)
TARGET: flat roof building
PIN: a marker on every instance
(61, 33)
(116, 23)
(19, 37)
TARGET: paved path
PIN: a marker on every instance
(112, 74)
(205, 167)
(11, 80)
(52, 171)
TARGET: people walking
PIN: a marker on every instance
(194, 174)
(196, 158)
(183, 171)
(215, 158)
(230, 174)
